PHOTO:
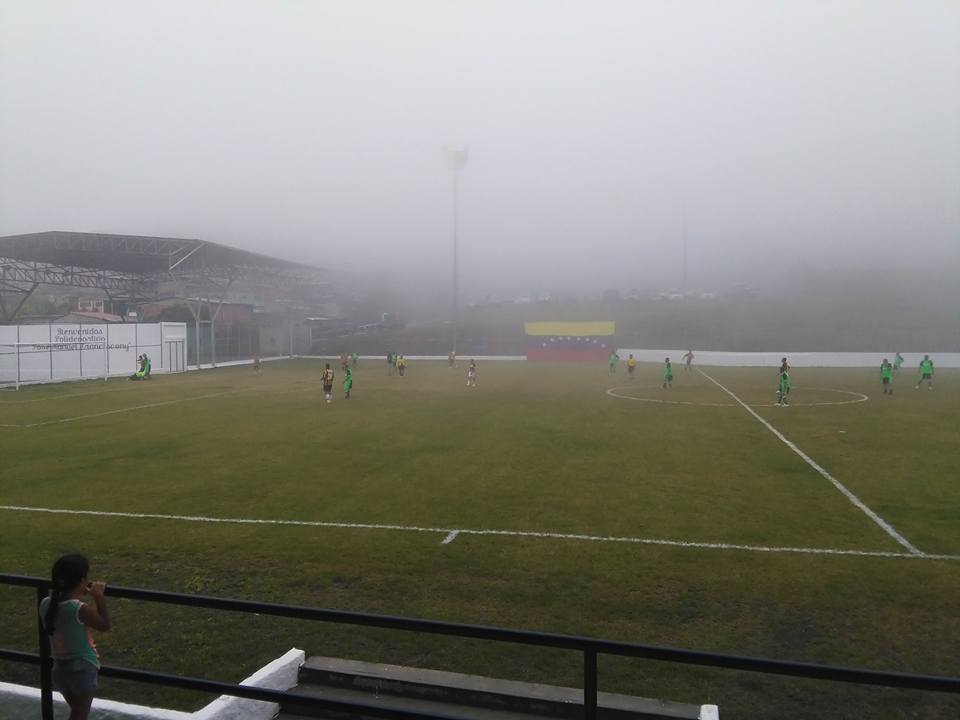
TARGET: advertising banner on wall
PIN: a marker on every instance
(70, 351)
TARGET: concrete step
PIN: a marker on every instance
(397, 702)
(460, 695)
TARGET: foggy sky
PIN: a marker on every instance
(811, 133)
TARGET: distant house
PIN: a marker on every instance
(91, 305)
(89, 318)
(230, 313)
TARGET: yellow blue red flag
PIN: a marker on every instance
(551, 340)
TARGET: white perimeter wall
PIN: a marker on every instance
(796, 359)
(731, 359)
(18, 702)
(70, 351)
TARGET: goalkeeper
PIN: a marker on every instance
(143, 373)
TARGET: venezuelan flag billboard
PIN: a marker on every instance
(590, 341)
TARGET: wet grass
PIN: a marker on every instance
(534, 448)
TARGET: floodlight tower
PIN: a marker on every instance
(683, 222)
(456, 161)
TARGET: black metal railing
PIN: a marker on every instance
(590, 647)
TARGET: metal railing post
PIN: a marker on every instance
(590, 647)
(590, 684)
(46, 681)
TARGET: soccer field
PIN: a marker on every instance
(550, 497)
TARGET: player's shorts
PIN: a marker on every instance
(926, 376)
(327, 388)
(886, 381)
(75, 677)
(631, 368)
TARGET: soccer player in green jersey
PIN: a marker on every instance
(897, 362)
(667, 374)
(783, 391)
(347, 383)
(614, 359)
(926, 372)
(353, 359)
(886, 377)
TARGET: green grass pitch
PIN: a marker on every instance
(534, 449)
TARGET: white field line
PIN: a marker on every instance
(455, 532)
(123, 388)
(612, 392)
(883, 524)
(460, 358)
(451, 536)
(127, 387)
(152, 405)
(65, 396)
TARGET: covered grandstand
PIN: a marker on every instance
(133, 271)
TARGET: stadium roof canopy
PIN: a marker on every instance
(139, 254)
(131, 267)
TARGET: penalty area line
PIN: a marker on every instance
(161, 403)
(883, 524)
(451, 533)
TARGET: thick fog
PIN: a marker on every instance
(775, 137)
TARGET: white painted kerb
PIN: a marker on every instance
(281, 674)
(19, 702)
(709, 712)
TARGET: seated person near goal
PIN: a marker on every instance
(144, 372)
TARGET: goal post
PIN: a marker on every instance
(42, 362)
(31, 354)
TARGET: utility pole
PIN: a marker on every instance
(456, 161)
